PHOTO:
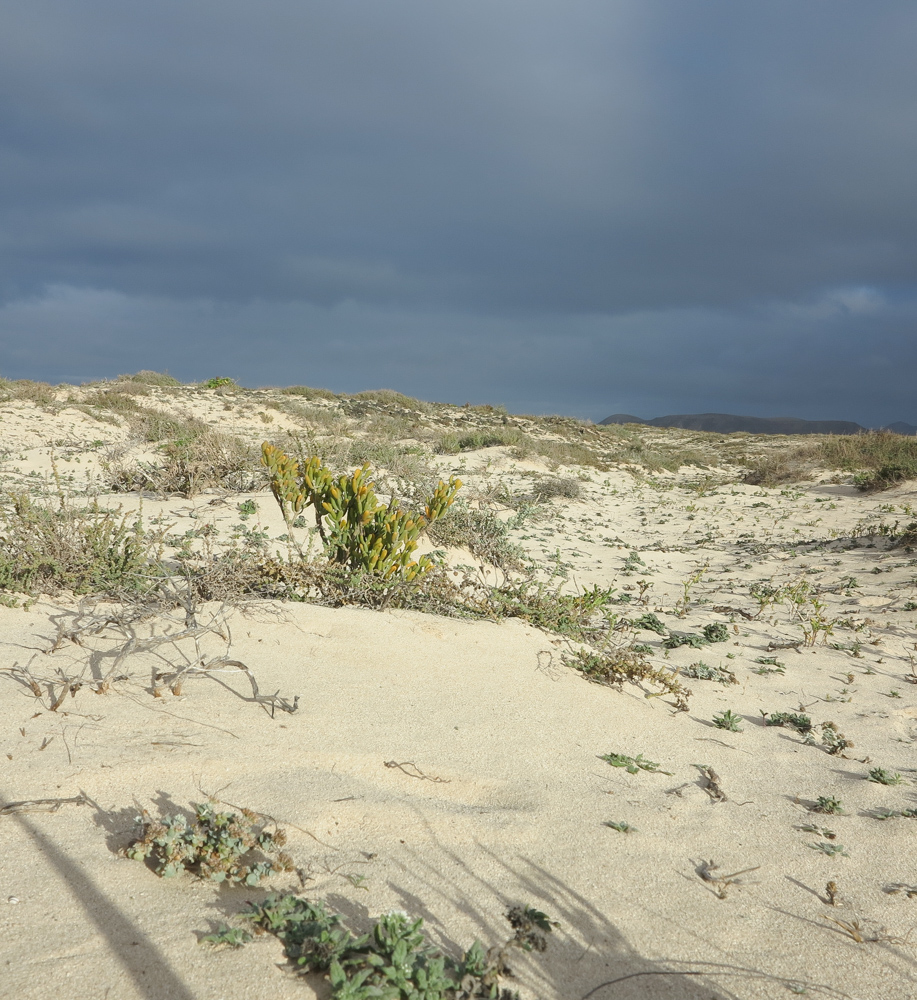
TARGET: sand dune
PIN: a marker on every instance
(451, 768)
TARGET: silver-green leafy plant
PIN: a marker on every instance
(394, 961)
(219, 846)
(728, 720)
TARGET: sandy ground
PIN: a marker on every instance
(451, 768)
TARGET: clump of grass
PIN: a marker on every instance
(158, 379)
(307, 392)
(39, 393)
(828, 804)
(879, 458)
(616, 667)
(481, 532)
(45, 549)
(194, 458)
(884, 777)
(571, 615)
(451, 444)
(389, 397)
(219, 846)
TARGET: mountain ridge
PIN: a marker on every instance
(731, 423)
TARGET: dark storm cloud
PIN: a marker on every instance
(666, 203)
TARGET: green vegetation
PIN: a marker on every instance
(728, 720)
(84, 549)
(704, 672)
(219, 846)
(632, 765)
(884, 777)
(828, 804)
(394, 961)
(356, 530)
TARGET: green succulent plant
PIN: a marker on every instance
(356, 529)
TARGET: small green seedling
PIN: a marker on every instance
(820, 830)
(632, 764)
(621, 827)
(246, 509)
(832, 850)
(769, 665)
(728, 720)
(883, 777)
(801, 723)
(828, 804)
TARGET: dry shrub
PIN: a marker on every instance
(159, 379)
(557, 486)
(389, 397)
(781, 467)
(308, 393)
(39, 393)
(614, 667)
(481, 532)
(195, 458)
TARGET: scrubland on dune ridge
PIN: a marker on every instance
(655, 686)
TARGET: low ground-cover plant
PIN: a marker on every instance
(704, 672)
(219, 846)
(394, 961)
(615, 667)
(728, 720)
(85, 549)
(633, 765)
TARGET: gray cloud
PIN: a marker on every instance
(672, 204)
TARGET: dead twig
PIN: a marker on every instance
(42, 805)
(417, 773)
(707, 869)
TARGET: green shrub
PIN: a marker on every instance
(356, 530)
(81, 549)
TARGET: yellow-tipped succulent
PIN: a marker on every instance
(357, 530)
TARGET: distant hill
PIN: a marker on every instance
(900, 427)
(729, 423)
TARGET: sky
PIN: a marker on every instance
(638, 206)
